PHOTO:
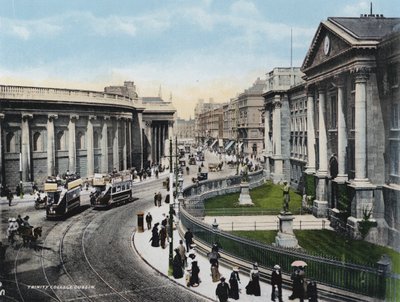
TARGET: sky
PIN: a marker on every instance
(192, 49)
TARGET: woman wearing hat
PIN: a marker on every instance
(253, 288)
(276, 282)
(234, 281)
(177, 269)
(222, 290)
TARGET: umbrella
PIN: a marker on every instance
(299, 263)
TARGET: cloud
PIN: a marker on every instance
(21, 32)
(29, 29)
(242, 7)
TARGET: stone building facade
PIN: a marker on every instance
(351, 73)
(47, 131)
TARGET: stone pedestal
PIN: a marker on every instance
(286, 237)
(244, 198)
(320, 205)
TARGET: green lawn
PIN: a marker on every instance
(329, 244)
(267, 198)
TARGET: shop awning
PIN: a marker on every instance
(229, 145)
(214, 142)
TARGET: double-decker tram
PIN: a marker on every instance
(63, 195)
(111, 189)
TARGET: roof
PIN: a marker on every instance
(371, 27)
(152, 99)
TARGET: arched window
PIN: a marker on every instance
(60, 141)
(95, 139)
(37, 141)
(79, 141)
(10, 142)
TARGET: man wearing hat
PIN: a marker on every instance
(276, 282)
(222, 290)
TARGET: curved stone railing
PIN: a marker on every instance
(61, 94)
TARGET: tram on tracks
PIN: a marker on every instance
(63, 195)
(109, 190)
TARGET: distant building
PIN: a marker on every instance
(200, 108)
(184, 130)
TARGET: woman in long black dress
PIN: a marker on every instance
(155, 238)
(253, 288)
(177, 269)
(194, 278)
(234, 284)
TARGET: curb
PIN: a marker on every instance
(162, 274)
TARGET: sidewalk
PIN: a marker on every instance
(157, 258)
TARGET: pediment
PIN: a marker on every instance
(325, 46)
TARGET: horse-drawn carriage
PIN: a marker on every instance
(29, 235)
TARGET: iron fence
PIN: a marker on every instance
(359, 279)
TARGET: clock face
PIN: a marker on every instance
(327, 45)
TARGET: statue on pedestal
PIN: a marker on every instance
(286, 196)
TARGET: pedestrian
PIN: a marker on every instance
(194, 278)
(177, 269)
(276, 283)
(164, 222)
(9, 195)
(159, 198)
(163, 236)
(18, 190)
(149, 219)
(188, 239)
(234, 282)
(222, 290)
(182, 252)
(155, 199)
(312, 291)
(213, 257)
(155, 238)
(12, 229)
(297, 285)
(253, 287)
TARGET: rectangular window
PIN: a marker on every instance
(392, 75)
(353, 117)
(395, 158)
(333, 112)
(395, 118)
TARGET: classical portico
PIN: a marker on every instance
(340, 70)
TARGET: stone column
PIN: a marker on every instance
(129, 142)
(170, 129)
(72, 143)
(364, 190)
(51, 156)
(361, 127)
(124, 153)
(320, 206)
(342, 134)
(116, 145)
(267, 152)
(104, 145)
(149, 134)
(1, 150)
(156, 142)
(310, 168)
(277, 140)
(90, 146)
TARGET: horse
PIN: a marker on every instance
(30, 235)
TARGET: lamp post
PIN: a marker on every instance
(171, 210)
